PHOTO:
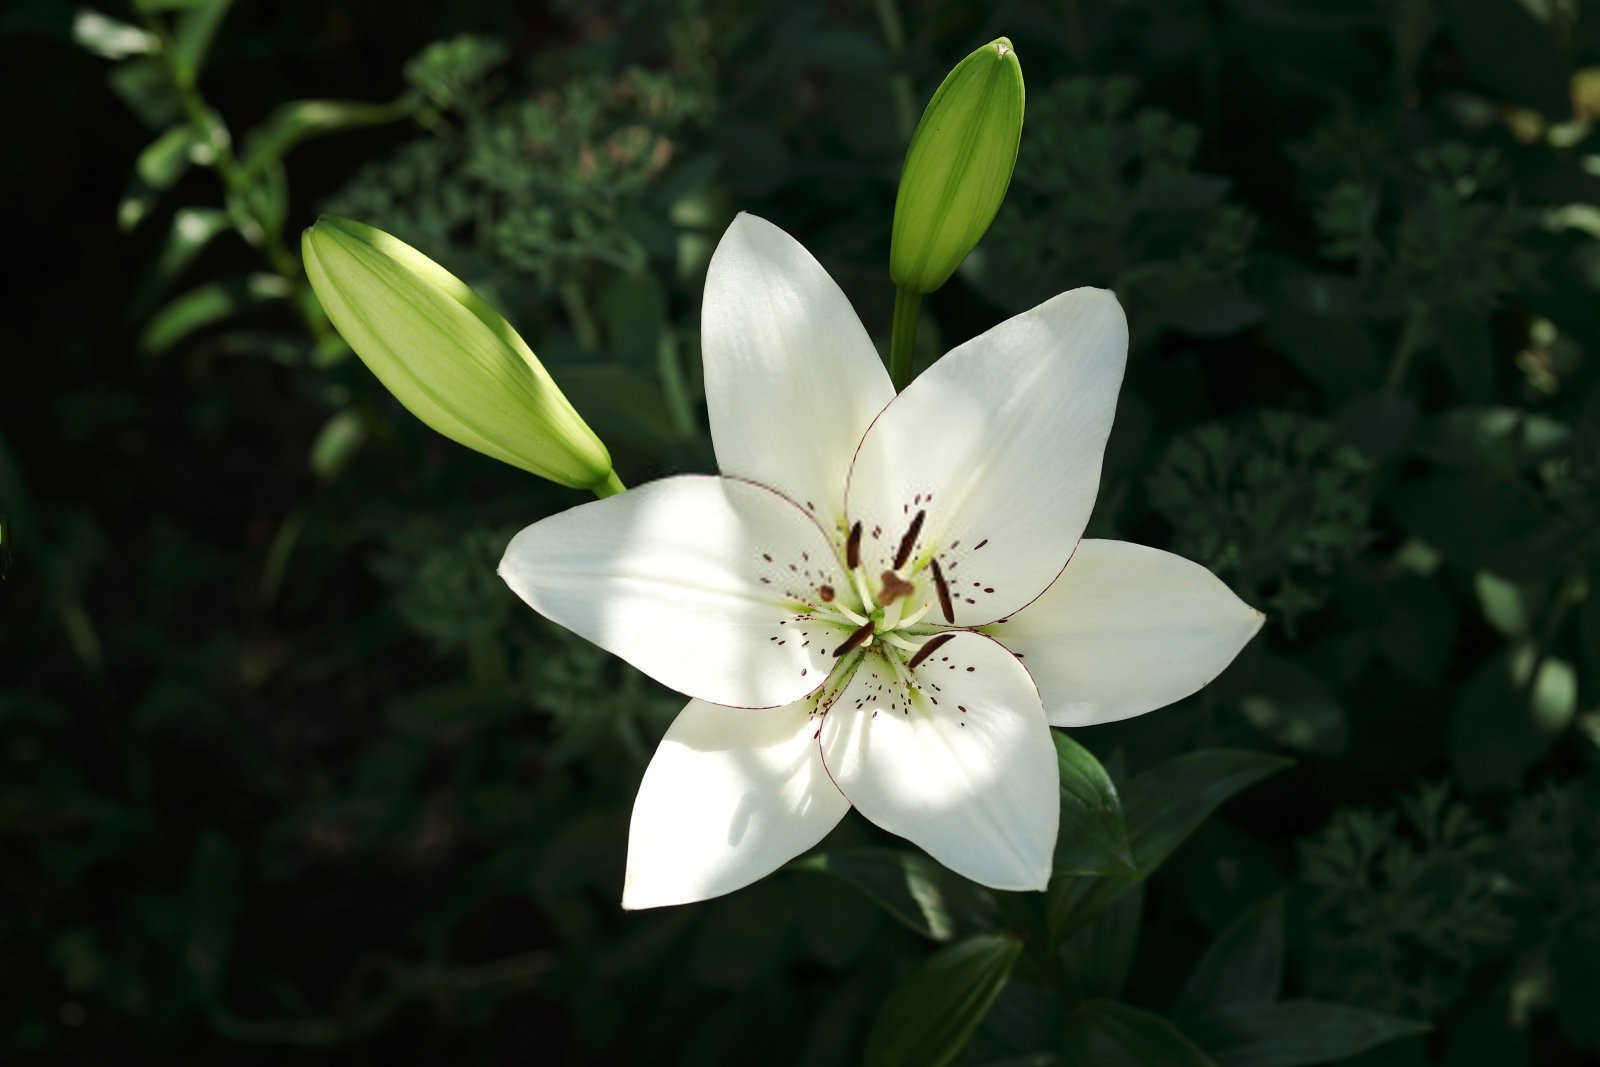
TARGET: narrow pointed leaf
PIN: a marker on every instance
(108, 38)
(929, 1016)
(301, 120)
(913, 889)
(1098, 957)
(157, 169)
(1092, 838)
(197, 26)
(1295, 1033)
(1244, 965)
(1107, 1033)
(192, 229)
(208, 304)
(1162, 806)
(1165, 804)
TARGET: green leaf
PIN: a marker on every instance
(1107, 1033)
(336, 444)
(192, 38)
(1165, 804)
(1098, 957)
(1162, 806)
(932, 1012)
(301, 120)
(1503, 604)
(157, 169)
(192, 229)
(915, 890)
(1292, 1033)
(1503, 724)
(108, 38)
(1244, 965)
(143, 85)
(1093, 838)
(208, 304)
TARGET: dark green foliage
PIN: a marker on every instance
(287, 775)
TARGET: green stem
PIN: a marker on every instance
(610, 485)
(1411, 335)
(903, 336)
(238, 181)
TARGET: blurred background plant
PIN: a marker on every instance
(288, 772)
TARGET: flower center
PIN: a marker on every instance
(887, 610)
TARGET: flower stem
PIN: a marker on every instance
(610, 485)
(903, 336)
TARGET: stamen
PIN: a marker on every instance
(928, 649)
(898, 642)
(852, 547)
(862, 632)
(944, 594)
(916, 616)
(859, 580)
(894, 587)
(847, 613)
(909, 540)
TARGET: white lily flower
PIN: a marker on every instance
(884, 601)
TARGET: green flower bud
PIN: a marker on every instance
(957, 168)
(445, 354)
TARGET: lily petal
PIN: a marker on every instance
(1001, 443)
(731, 795)
(702, 583)
(1126, 629)
(963, 767)
(791, 378)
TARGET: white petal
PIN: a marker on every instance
(791, 377)
(1000, 441)
(731, 795)
(964, 767)
(702, 583)
(1125, 630)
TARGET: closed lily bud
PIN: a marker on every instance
(448, 356)
(957, 168)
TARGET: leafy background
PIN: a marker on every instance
(288, 773)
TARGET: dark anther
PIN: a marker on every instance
(852, 547)
(909, 540)
(863, 632)
(927, 650)
(944, 594)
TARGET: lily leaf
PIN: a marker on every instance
(1093, 838)
(208, 304)
(301, 120)
(1244, 965)
(1163, 806)
(1293, 1033)
(910, 887)
(1107, 1033)
(932, 1012)
(1098, 957)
